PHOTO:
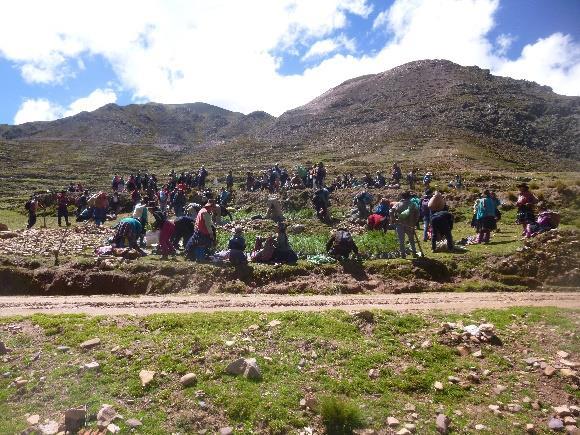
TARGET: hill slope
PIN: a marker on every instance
(435, 97)
(429, 98)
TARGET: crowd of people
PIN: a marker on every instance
(183, 213)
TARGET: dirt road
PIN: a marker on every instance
(143, 305)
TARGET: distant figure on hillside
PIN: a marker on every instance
(412, 179)
(321, 202)
(230, 181)
(363, 202)
(283, 253)
(201, 177)
(319, 175)
(486, 216)
(274, 209)
(341, 244)
(396, 174)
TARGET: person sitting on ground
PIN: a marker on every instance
(341, 244)
(547, 220)
(237, 247)
(62, 210)
(127, 234)
(427, 179)
(380, 180)
(166, 230)
(321, 202)
(485, 217)
(367, 181)
(204, 234)
(283, 252)
(396, 174)
(263, 249)
(525, 203)
(379, 220)
(296, 182)
(404, 216)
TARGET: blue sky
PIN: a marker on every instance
(264, 56)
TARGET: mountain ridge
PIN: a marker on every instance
(420, 98)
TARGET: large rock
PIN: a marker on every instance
(3, 227)
(49, 428)
(188, 380)
(248, 367)
(75, 418)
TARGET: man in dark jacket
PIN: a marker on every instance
(340, 245)
(442, 225)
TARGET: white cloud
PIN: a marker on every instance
(42, 109)
(229, 53)
(504, 42)
(96, 99)
(37, 110)
(326, 46)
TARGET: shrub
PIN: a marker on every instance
(339, 416)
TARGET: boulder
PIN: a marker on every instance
(89, 344)
(146, 377)
(75, 418)
(133, 423)
(3, 227)
(442, 424)
(106, 416)
(188, 380)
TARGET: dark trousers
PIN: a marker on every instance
(31, 219)
(62, 213)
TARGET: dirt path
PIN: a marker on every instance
(143, 305)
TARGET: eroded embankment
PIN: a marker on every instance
(552, 259)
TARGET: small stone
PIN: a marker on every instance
(409, 407)
(374, 373)
(462, 350)
(20, 382)
(365, 315)
(230, 343)
(480, 427)
(567, 363)
(569, 420)
(236, 367)
(536, 406)
(63, 348)
(498, 389)
(133, 423)
(392, 422)
(473, 377)
(493, 407)
(562, 411)
(442, 424)
(549, 370)
(90, 343)
(453, 379)
(530, 428)
(567, 373)
(426, 344)
(188, 380)
(35, 357)
(477, 354)
(146, 377)
(562, 354)
(556, 424)
(92, 366)
(226, 431)
(33, 420)
(49, 428)
(113, 428)
(514, 408)
(75, 418)
(106, 416)
(572, 430)
(410, 427)
(438, 386)
(403, 431)
(274, 323)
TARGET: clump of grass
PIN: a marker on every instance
(340, 416)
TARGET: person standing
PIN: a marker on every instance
(404, 215)
(425, 213)
(62, 208)
(525, 203)
(32, 206)
(486, 217)
(230, 181)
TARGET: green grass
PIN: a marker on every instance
(337, 357)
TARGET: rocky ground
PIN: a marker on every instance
(371, 372)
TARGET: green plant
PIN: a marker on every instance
(340, 416)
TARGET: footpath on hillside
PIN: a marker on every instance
(143, 305)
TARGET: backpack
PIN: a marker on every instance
(406, 214)
(342, 240)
